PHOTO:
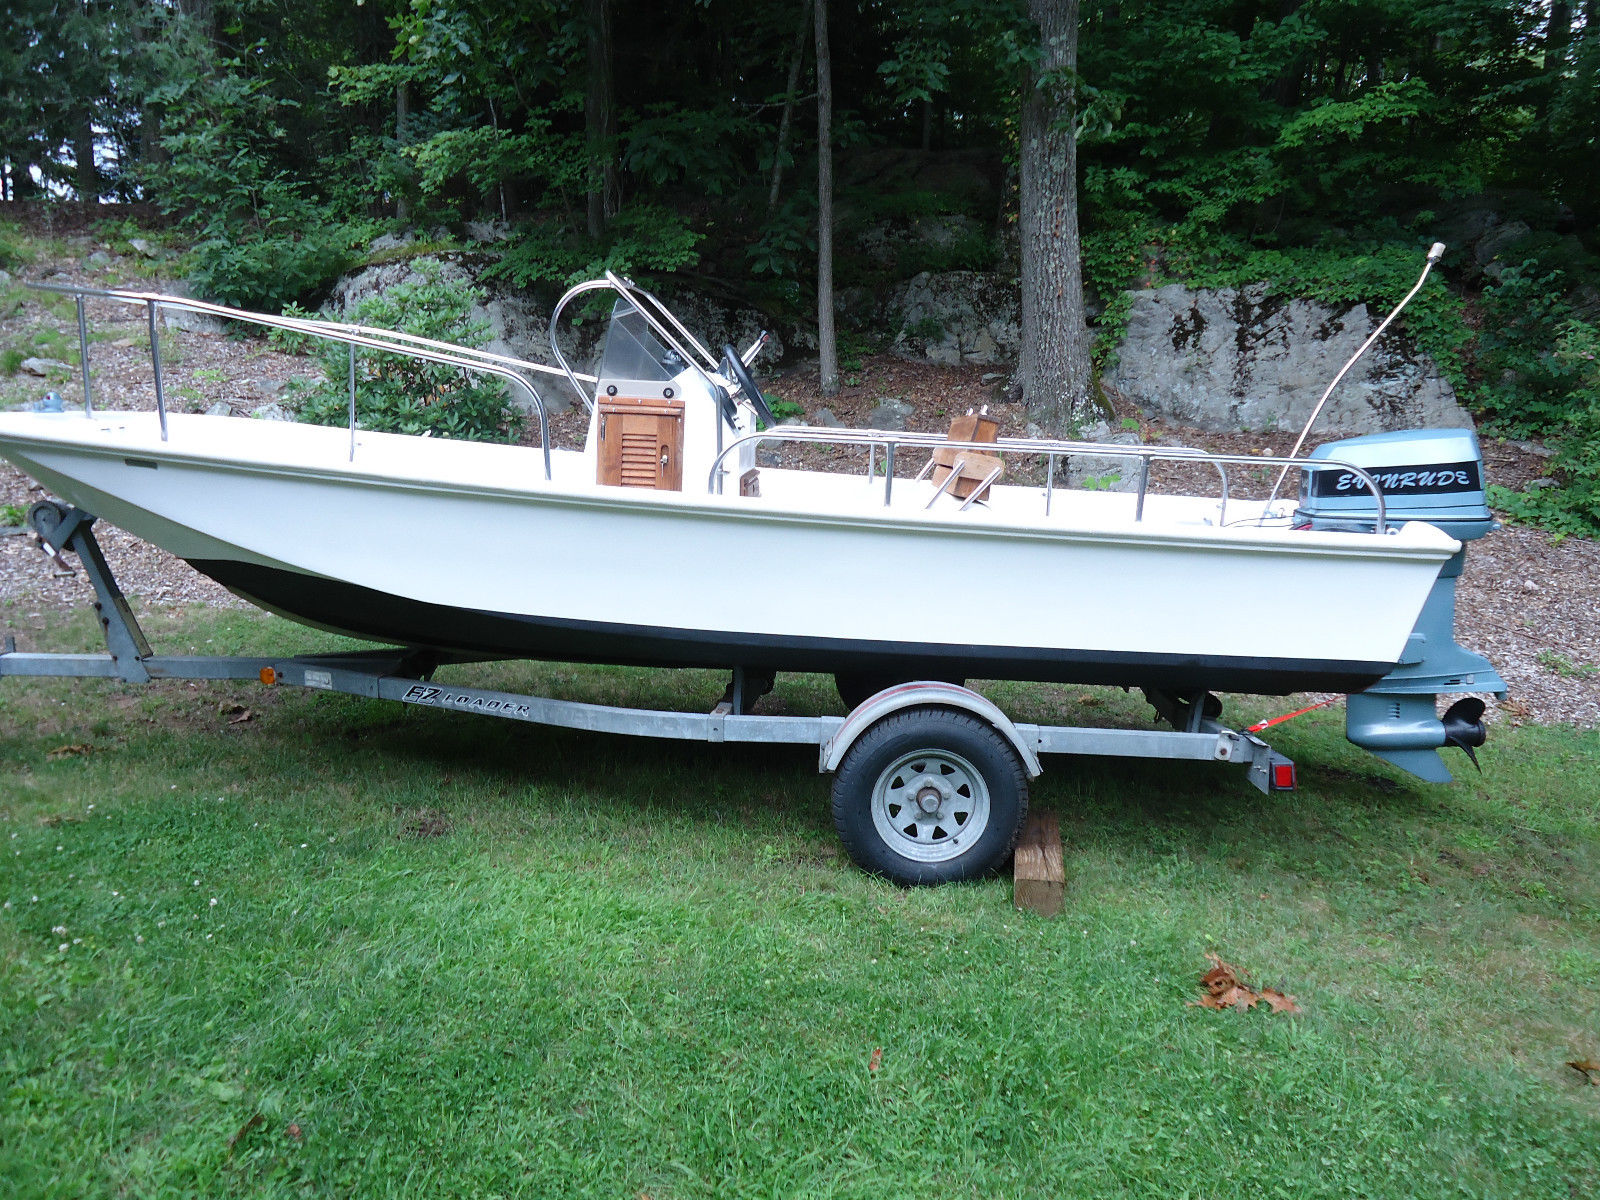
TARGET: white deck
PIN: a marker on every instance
(438, 464)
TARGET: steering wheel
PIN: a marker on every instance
(734, 366)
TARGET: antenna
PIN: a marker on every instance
(1435, 253)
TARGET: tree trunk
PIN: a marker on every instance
(1053, 368)
(1557, 36)
(600, 120)
(796, 64)
(152, 153)
(827, 346)
(86, 179)
(402, 113)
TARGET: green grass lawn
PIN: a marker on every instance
(347, 948)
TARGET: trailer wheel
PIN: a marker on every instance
(929, 795)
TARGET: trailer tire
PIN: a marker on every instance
(930, 795)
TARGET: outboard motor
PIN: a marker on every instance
(1433, 475)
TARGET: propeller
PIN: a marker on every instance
(1463, 726)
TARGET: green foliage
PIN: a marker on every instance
(673, 145)
(396, 394)
(267, 271)
(784, 410)
(641, 240)
(11, 361)
(1532, 353)
(12, 515)
(854, 346)
(944, 248)
(1572, 418)
(1563, 666)
(291, 341)
(786, 243)
(262, 239)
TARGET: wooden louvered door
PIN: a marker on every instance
(641, 443)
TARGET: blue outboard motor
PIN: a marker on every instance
(1433, 475)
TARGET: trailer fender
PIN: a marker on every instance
(925, 694)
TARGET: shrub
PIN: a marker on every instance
(1574, 506)
(267, 271)
(641, 238)
(396, 394)
(784, 410)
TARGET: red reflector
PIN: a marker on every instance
(1283, 777)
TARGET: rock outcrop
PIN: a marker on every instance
(955, 317)
(1240, 359)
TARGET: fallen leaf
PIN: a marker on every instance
(1279, 1002)
(876, 1060)
(255, 1120)
(293, 1131)
(69, 751)
(1224, 989)
(1588, 1068)
(241, 717)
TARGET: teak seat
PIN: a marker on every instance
(974, 469)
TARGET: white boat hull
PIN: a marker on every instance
(467, 549)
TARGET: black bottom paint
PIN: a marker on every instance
(381, 617)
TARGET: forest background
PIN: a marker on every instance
(1312, 145)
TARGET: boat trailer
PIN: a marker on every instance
(930, 777)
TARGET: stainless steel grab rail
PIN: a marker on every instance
(656, 314)
(1050, 448)
(388, 341)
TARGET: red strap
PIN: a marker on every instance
(1260, 725)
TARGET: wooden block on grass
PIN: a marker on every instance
(1039, 873)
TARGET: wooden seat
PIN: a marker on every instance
(971, 467)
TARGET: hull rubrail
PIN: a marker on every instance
(385, 617)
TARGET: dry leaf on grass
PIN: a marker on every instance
(256, 1120)
(1225, 989)
(876, 1060)
(69, 751)
(240, 717)
(1588, 1068)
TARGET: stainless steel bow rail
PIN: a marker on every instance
(1050, 449)
(405, 674)
(514, 371)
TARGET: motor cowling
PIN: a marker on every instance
(1433, 475)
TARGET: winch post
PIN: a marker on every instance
(64, 528)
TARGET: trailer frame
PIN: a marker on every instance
(405, 674)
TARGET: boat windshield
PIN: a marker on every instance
(633, 351)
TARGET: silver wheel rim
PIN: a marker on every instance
(930, 806)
